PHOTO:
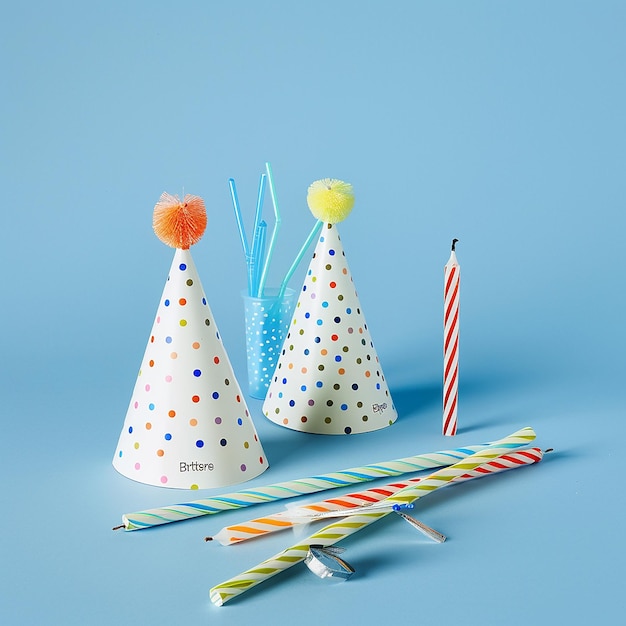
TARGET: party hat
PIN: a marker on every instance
(328, 379)
(187, 424)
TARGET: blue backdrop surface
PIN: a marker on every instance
(499, 123)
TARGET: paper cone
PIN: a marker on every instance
(187, 424)
(328, 379)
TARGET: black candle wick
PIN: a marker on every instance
(454, 241)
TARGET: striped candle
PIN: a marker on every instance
(331, 534)
(345, 504)
(293, 488)
(452, 283)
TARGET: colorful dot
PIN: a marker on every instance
(137, 466)
(332, 284)
(199, 443)
(197, 373)
(160, 452)
(239, 421)
(171, 413)
(182, 267)
(163, 479)
(183, 322)
(218, 420)
(168, 379)
(151, 363)
(136, 445)
(167, 436)
(148, 425)
(223, 442)
(168, 340)
(216, 360)
(193, 422)
(195, 345)
(194, 487)
(167, 302)
(151, 406)
(173, 355)
(243, 467)
(347, 430)
(215, 395)
(130, 430)
(195, 399)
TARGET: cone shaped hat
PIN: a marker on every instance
(187, 424)
(328, 379)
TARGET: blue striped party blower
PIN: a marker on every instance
(293, 488)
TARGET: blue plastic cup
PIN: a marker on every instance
(267, 323)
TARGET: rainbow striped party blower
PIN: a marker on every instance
(356, 502)
(293, 488)
(333, 533)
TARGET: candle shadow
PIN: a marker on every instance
(417, 398)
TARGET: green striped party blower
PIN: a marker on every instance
(333, 533)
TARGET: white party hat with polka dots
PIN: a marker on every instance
(328, 379)
(187, 424)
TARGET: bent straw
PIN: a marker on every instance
(314, 232)
(256, 252)
(331, 534)
(272, 244)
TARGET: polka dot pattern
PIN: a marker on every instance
(267, 323)
(187, 425)
(328, 379)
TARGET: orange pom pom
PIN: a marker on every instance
(177, 223)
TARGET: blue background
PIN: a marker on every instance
(499, 123)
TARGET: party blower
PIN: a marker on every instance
(328, 379)
(187, 424)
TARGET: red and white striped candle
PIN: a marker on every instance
(452, 284)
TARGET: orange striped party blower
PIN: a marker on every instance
(333, 533)
(293, 488)
(452, 283)
(359, 500)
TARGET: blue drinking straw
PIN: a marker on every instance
(272, 244)
(242, 230)
(314, 232)
(257, 253)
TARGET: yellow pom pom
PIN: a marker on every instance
(330, 200)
